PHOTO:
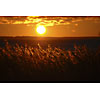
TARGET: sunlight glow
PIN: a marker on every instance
(41, 29)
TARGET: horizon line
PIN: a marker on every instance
(51, 36)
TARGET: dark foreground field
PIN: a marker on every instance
(25, 63)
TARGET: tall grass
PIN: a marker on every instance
(29, 63)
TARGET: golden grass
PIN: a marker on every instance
(29, 60)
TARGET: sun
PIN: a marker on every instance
(41, 29)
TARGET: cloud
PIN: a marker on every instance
(44, 20)
(12, 19)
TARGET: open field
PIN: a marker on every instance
(27, 63)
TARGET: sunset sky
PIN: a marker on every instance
(56, 26)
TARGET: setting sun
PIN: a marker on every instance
(41, 29)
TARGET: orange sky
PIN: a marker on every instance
(56, 26)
